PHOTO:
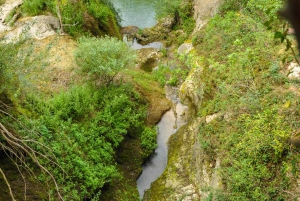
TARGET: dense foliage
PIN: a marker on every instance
(245, 85)
(78, 17)
(84, 126)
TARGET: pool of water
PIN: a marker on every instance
(140, 13)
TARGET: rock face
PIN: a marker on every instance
(189, 171)
(158, 32)
(38, 27)
(5, 9)
(190, 92)
(204, 9)
(129, 32)
(148, 58)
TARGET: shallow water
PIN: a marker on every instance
(170, 122)
(136, 46)
(140, 13)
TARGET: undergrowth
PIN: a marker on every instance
(79, 17)
(245, 84)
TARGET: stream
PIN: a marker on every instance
(170, 122)
(141, 13)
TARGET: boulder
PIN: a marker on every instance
(294, 71)
(156, 33)
(38, 27)
(130, 32)
(148, 58)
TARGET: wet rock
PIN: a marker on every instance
(156, 33)
(91, 24)
(130, 32)
(148, 58)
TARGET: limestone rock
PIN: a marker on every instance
(148, 58)
(38, 27)
(191, 91)
(204, 9)
(167, 22)
(185, 48)
(130, 32)
(161, 29)
(210, 118)
(5, 9)
(294, 70)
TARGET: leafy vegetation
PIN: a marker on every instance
(244, 83)
(102, 59)
(83, 127)
(182, 11)
(79, 17)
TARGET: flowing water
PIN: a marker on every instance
(140, 13)
(170, 122)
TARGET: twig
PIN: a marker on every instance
(8, 185)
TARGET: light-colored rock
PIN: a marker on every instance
(185, 48)
(294, 71)
(38, 27)
(148, 58)
(5, 9)
(191, 92)
(204, 9)
(210, 118)
(167, 22)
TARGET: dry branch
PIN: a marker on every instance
(8, 185)
(20, 149)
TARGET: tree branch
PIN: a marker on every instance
(8, 185)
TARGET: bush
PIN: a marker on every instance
(148, 141)
(84, 127)
(101, 59)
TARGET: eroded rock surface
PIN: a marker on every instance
(5, 9)
(38, 27)
(204, 9)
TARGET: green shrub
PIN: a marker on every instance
(101, 59)
(36, 7)
(84, 127)
(73, 12)
(148, 141)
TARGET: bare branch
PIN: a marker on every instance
(8, 185)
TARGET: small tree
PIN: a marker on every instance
(101, 59)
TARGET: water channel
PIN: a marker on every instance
(141, 13)
(170, 122)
